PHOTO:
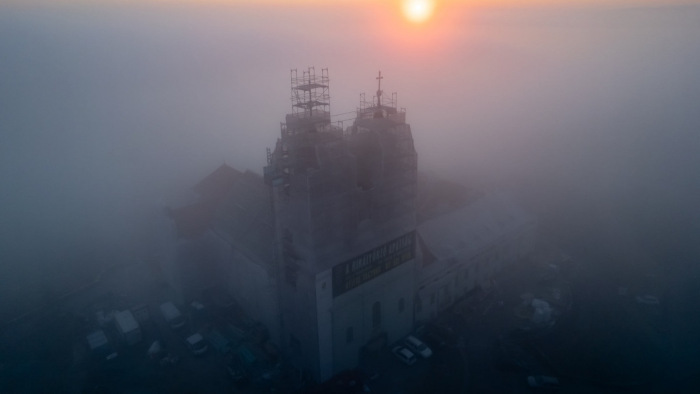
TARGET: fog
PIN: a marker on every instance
(589, 116)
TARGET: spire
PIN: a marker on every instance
(379, 89)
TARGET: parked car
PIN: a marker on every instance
(196, 344)
(172, 315)
(127, 327)
(100, 346)
(417, 346)
(406, 356)
(543, 382)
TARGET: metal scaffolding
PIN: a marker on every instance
(309, 93)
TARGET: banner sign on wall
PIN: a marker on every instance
(369, 265)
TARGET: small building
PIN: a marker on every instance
(224, 241)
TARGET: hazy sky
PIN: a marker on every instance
(109, 112)
(519, 3)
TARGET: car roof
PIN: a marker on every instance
(194, 338)
(406, 352)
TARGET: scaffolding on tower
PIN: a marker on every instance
(309, 94)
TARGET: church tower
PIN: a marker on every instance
(344, 212)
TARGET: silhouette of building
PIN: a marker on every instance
(326, 249)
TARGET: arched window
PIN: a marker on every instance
(376, 315)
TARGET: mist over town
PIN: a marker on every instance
(246, 158)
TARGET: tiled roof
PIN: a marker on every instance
(472, 228)
(217, 184)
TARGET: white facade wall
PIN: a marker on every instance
(355, 310)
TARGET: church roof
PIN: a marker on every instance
(474, 227)
(234, 205)
(217, 184)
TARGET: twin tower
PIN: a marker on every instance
(326, 250)
(343, 202)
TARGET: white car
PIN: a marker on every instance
(403, 354)
(196, 344)
(417, 346)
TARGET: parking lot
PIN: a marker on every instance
(469, 360)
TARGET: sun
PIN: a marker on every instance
(418, 11)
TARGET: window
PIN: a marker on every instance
(376, 315)
(349, 335)
(401, 305)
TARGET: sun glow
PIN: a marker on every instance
(418, 11)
